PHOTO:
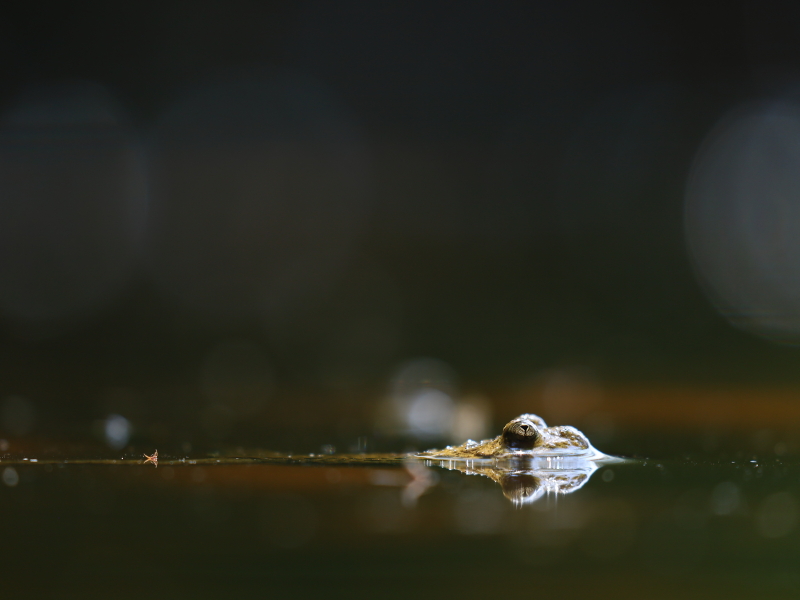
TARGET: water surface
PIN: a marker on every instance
(345, 526)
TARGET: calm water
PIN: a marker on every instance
(262, 525)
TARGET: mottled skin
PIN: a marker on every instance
(527, 435)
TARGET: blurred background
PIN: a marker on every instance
(350, 226)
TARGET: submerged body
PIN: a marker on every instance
(527, 435)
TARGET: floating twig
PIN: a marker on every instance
(152, 459)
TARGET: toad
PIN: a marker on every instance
(526, 436)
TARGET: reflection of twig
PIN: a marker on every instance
(151, 459)
(422, 479)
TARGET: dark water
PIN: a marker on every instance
(381, 526)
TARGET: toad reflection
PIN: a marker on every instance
(524, 479)
(528, 459)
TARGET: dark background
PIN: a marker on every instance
(311, 194)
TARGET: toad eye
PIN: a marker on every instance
(520, 435)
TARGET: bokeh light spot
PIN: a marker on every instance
(726, 498)
(117, 430)
(742, 219)
(10, 476)
(259, 187)
(72, 205)
(421, 401)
